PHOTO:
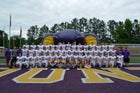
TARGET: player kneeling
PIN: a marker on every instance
(88, 63)
(81, 62)
(38, 62)
(112, 60)
(105, 61)
(120, 58)
(45, 61)
(21, 60)
(72, 64)
(53, 63)
(61, 63)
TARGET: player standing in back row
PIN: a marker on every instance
(126, 54)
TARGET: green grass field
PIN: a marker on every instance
(134, 59)
(2, 60)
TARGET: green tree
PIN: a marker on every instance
(43, 30)
(55, 28)
(3, 38)
(15, 41)
(74, 24)
(112, 25)
(82, 24)
(128, 28)
(136, 31)
(112, 31)
(33, 34)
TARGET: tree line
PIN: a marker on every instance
(111, 31)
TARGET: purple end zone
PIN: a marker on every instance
(71, 84)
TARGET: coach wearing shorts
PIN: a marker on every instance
(126, 54)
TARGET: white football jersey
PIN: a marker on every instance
(24, 52)
(112, 58)
(120, 58)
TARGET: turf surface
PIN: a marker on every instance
(71, 84)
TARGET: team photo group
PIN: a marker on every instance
(69, 56)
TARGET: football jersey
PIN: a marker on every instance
(24, 52)
(111, 47)
(31, 52)
(98, 47)
(96, 53)
(27, 46)
(33, 59)
(112, 58)
(99, 58)
(27, 59)
(40, 46)
(106, 59)
(120, 58)
(20, 58)
(33, 46)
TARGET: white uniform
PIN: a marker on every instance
(112, 60)
(104, 47)
(99, 60)
(85, 47)
(112, 51)
(27, 46)
(63, 46)
(33, 59)
(47, 47)
(101, 52)
(45, 60)
(39, 61)
(26, 62)
(111, 47)
(106, 60)
(106, 52)
(33, 46)
(20, 60)
(96, 53)
(98, 47)
(24, 52)
(38, 52)
(120, 59)
(31, 52)
(94, 60)
(74, 47)
(40, 46)
(92, 47)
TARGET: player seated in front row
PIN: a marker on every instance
(88, 63)
(72, 64)
(53, 63)
(61, 63)
(120, 58)
(21, 61)
(81, 62)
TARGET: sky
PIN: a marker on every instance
(26, 13)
